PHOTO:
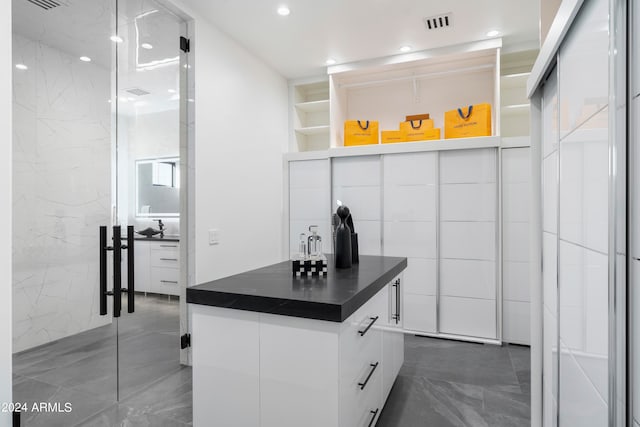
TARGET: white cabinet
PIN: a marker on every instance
(142, 272)
(157, 268)
(468, 243)
(309, 195)
(439, 208)
(515, 241)
(410, 206)
(257, 369)
(357, 184)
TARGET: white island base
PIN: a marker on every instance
(253, 369)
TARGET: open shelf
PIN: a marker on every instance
(313, 106)
(313, 130)
(309, 114)
(433, 82)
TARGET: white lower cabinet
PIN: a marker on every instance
(157, 266)
(257, 369)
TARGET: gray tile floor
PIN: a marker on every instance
(154, 389)
(454, 384)
(441, 384)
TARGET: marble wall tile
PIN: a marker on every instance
(62, 187)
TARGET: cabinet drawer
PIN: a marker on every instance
(363, 407)
(165, 280)
(165, 257)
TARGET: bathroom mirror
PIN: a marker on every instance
(158, 187)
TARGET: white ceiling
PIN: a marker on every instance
(350, 30)
(84, 28)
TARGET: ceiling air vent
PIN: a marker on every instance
(444, 20)
(137, 91)
(45, 4)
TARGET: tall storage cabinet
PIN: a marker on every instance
(410, 201)
(309, 201)
(438, 203)
(439, 206)
(468, 250)
(356, 183)
(515, 241)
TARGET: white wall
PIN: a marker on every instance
(5, 214)
(241, 133)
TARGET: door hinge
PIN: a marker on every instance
(185, 44)
(185, 341)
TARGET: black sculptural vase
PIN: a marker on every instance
(343, 239)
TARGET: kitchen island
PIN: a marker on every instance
(270, 349)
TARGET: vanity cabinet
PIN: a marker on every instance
(157, 266)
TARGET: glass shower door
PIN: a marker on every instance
(65, 346)
(148, 196)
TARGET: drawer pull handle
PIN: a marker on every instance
(169, 281)
(373, 320)
(168, 259)
(373, 366)
(168, 246)
(374, 413)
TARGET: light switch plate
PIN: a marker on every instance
(214, 236)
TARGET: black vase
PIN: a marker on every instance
(343, 240)
(355, 257)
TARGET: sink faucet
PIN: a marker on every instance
(161, 227)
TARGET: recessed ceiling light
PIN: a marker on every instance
(283, 11)
(116, 39)
(85, 59)
(146, 46)
(405, 49)
(493, 33)
(131, 98)
(330, 61)
(21, 67)
(171, 90)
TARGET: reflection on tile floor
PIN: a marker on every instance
(154, 389)
(441, 384)
(450, 383)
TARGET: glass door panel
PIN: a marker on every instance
(65, 346)
(148, 194)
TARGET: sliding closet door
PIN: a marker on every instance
(410, 221)
(634, 213)
(583, 227)
(550, 249)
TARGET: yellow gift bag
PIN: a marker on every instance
(391, 136)
(419, 130)
(359, 132)
(474, 120)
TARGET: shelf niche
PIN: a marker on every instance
(431, 82)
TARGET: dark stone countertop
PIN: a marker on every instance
(158, 239)
(274, 290)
